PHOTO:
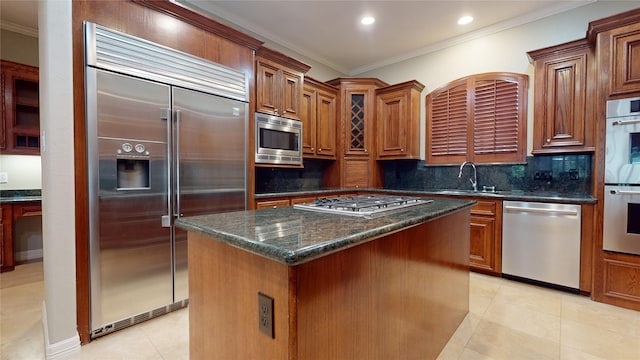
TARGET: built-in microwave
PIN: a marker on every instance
(278, 140)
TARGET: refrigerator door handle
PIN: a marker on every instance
(177, 163)
(165, 116)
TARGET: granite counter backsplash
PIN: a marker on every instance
(565, 174)
(20, 193)
(557, 173)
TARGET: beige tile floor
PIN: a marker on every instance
(507, 320)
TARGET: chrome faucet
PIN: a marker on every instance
(474, 180)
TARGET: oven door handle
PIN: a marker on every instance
(624, 192)
(626, 122)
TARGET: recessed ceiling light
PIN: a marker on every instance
(367, 20)
(465, 20)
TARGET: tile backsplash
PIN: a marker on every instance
(550, 173)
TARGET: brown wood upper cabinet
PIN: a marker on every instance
(480, 118)
(563, 98)
(279, 84)
(398, 121)
(625, 59)
(319, 116)
(357, 167)
(20, 109)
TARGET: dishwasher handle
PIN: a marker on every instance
(539, 210)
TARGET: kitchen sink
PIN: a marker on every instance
(458, 192)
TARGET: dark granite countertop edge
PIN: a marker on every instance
(17, 199)
(515, 195)
(309, 253)
(23, 195)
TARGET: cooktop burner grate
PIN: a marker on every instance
(363, 205)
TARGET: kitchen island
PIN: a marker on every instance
(391, 287)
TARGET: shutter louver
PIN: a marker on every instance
(449, 122)
(496, 117)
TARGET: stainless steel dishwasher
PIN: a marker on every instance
(541, 243)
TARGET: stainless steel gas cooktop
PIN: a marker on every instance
(367, 206)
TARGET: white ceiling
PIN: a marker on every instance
(328, 32)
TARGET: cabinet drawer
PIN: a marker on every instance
(28, 209)
(303, 200)
(486, 208)
(272, 204)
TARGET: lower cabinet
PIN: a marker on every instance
(486, 229)
(10, 212)
(486, 237)
(617, 280)
(293, 200)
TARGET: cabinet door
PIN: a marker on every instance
(485, 250)
(290, 95)
(356, 173)
(562, 119)
(625, 59)
(357, 114)
(326, 122)
(392, 124)
(6, 238)
(21, 109)
(267, 88)
(308, 119)
(481, 243)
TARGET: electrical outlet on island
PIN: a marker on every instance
(4, 177)
(265, 314)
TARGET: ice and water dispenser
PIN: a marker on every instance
(132, 167)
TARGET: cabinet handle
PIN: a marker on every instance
(548, 140)
(312, 149)
(275, 206)
(401, 150)
(320, 149)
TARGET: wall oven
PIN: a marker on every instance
(621, 227)
(278, 140)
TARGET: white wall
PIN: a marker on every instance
(24, 172)
(503, 51)
(58, 202)
(18, 47)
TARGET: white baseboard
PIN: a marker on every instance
(27, 255)
(61, 350)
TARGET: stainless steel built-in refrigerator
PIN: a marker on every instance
(161, 144)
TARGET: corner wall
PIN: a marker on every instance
(58, 202)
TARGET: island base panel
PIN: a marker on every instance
(400, 296)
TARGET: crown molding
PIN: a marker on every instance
(20, 29)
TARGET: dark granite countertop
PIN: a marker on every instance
(517, 195)
(14, 196)
(293, 236)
